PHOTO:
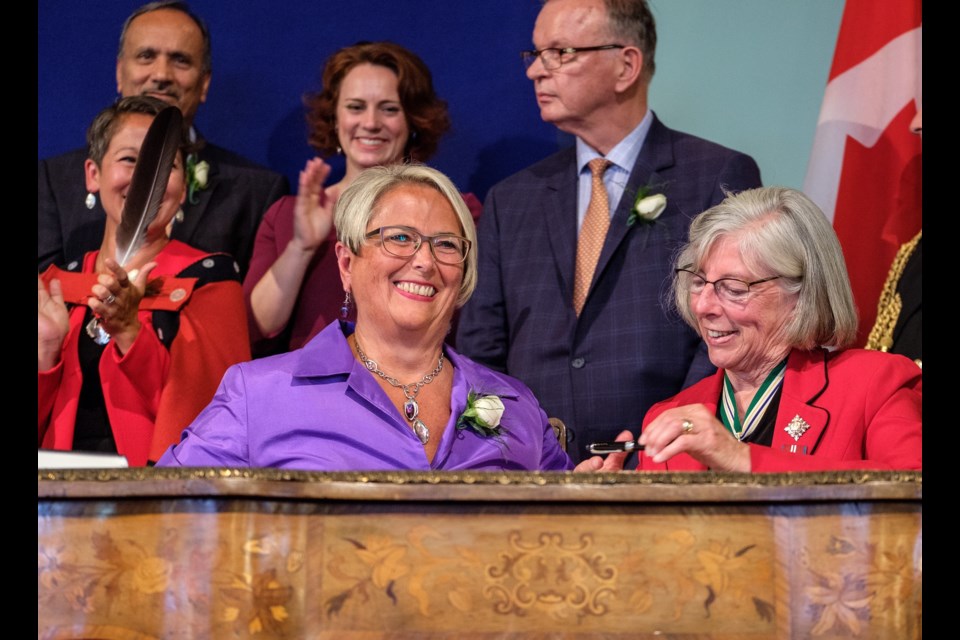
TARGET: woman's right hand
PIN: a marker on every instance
(53, 323)
(313, 212)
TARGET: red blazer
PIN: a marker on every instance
(151, 393)
(863, 410)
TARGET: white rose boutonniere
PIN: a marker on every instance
(647, 206)
(197, 175)
(483, 415)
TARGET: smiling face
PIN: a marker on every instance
(162, 57)
(745, 339)
(371, 125)
(576, 95)
(112, 178)
(415, 295)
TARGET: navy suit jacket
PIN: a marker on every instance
(224, 219)
(601, 372)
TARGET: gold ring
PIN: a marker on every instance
(687, 426)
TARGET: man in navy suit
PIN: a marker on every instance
(164, 53)
(599, 370)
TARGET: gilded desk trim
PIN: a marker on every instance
(478, 486)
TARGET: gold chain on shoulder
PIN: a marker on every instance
(889, 306)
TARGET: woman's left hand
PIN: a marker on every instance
(695, 430)
(116, 300)
(613, 462)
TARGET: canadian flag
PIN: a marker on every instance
(865, 168)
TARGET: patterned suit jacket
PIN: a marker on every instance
(223, 220)
(854, 409)
(601, 372)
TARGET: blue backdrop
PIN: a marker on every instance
(747, 73)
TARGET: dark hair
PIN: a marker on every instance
(206, 62)
(105, 125)
(426, 113)
(632, 22)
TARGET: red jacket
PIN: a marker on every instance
(151, 393)
(864, 410)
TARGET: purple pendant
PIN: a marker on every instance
(411, 409)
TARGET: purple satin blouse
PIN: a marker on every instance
(318, 409)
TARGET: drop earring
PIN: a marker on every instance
(90, 201)
(345, 308)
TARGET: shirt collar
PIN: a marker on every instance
(624, 155)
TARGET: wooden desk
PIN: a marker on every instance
(219, 553)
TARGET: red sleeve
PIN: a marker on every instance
(48, 384)
(474, 205)
(212, 336)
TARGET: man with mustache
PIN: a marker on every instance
(164, 53)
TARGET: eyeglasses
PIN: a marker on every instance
(729, 290)
(553, 58)
(403, 242)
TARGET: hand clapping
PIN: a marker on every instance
(313, 213)
(116, 299)
(53, 322)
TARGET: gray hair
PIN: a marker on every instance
(359, 202)
(631, 22)
(206, 61)
(781, 231)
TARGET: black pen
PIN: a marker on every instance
(603, 448)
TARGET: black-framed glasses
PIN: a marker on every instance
(552, 58)
(403, 242)
(730, 290)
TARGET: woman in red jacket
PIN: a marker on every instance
(128, 356)
(763, 282)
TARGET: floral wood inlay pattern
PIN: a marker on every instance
(860, 583)
(112, 577)
(552, 577)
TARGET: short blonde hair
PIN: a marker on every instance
(359, 202)
(781, 231)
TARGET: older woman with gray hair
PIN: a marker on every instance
(763, 281)
(385, 393)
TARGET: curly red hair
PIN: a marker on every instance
(426, 113)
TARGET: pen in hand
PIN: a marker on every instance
(603, 448)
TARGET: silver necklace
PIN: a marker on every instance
(410, 408)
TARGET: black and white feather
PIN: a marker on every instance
(149, 182)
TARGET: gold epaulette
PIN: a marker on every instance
(890, 305)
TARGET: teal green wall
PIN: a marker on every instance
(749, 74)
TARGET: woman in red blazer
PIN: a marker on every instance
(763, 281)
(127, 356)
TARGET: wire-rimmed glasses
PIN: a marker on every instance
(731, 290)
(552, 58)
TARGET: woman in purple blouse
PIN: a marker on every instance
(385, 393)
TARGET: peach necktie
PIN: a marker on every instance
(592, 233)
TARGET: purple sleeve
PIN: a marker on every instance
(218, 437)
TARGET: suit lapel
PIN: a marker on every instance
(800, 422)
(655, 155)
(194, 213)
(558, 214)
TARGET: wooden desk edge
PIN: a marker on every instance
(414, 486)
